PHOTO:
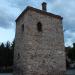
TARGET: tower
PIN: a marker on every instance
(39, 43)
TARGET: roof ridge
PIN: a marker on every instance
(40, 11)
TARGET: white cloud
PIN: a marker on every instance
(69, 37)
(6, 35)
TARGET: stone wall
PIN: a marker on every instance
(39, 53)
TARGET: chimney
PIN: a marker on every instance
(44, 6)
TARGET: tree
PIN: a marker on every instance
(70, 53)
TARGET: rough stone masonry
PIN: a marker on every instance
(39, 43)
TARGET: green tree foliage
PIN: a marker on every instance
(70, 51)
(70, 54)
(6, 54)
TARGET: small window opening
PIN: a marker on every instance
(22, 27)
(18, 57)
(39, 26)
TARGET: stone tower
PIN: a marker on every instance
(39, 43)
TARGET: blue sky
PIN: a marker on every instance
(10, 10)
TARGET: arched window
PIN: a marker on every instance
(22, 27)
(39, 26)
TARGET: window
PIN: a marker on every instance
(39, 26)
(18, 56)
(22, 27)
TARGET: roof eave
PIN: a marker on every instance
(38, 10)
(22, 13)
